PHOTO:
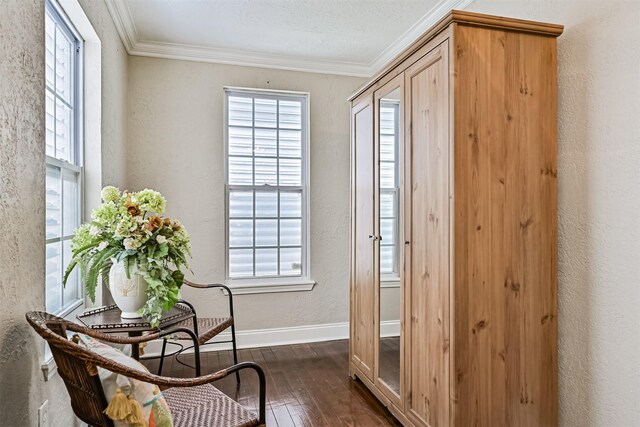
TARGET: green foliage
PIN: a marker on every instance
(120, 231)
(127, 266)
(163, 251)
(96, 266)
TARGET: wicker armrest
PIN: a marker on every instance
(41, 321)
(119, 339)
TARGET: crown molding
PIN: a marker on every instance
(123, 21)
(247, 58)
(438, 12)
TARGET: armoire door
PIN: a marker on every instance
(363, 248)
(427, 112)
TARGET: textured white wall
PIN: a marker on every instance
(22, 178)
(22, 197)
(599, 205)
(176, 146)
(114, 93)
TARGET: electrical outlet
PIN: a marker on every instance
(43, 414)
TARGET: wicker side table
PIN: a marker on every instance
(107, 319)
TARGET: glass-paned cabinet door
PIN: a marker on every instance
(389, 152)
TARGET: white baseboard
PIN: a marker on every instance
(390, 328)
(278, 336)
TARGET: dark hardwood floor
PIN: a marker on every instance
(307, 385)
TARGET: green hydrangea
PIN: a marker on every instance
(82, 236)
(106, 214)
(181, 237)
(150, 200)
(123, 229)
(140, 239)
(180, 240)
(110, 194)
(132, 243)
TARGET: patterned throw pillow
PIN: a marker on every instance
(123, 392)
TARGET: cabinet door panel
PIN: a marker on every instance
(363, 267)
(427, 263)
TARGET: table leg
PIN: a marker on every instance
(135, 348)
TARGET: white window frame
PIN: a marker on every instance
(57, 15)
(89, 128)
(270, 284)
(392, 279)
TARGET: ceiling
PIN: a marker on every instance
(351, 37)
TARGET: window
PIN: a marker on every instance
(63, 159)
(389, 189)
(266, 176)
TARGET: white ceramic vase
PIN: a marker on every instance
(129, 294)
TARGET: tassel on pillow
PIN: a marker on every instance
(126, 409)
(141, 348)
(119, 407)
(135, 417)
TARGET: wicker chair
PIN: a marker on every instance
(194, 402)
(205, 328)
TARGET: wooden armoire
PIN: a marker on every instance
(454, 226)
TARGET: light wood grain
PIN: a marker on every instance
(505, 228)
(464, 18)
(427, 281)
(363, 272)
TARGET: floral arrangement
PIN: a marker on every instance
(127, 228)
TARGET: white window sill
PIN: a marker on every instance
(49, 368)
(390, 282)
(269, 287)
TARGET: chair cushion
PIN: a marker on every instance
(208, 327)
(154, 406)
(206, 406)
